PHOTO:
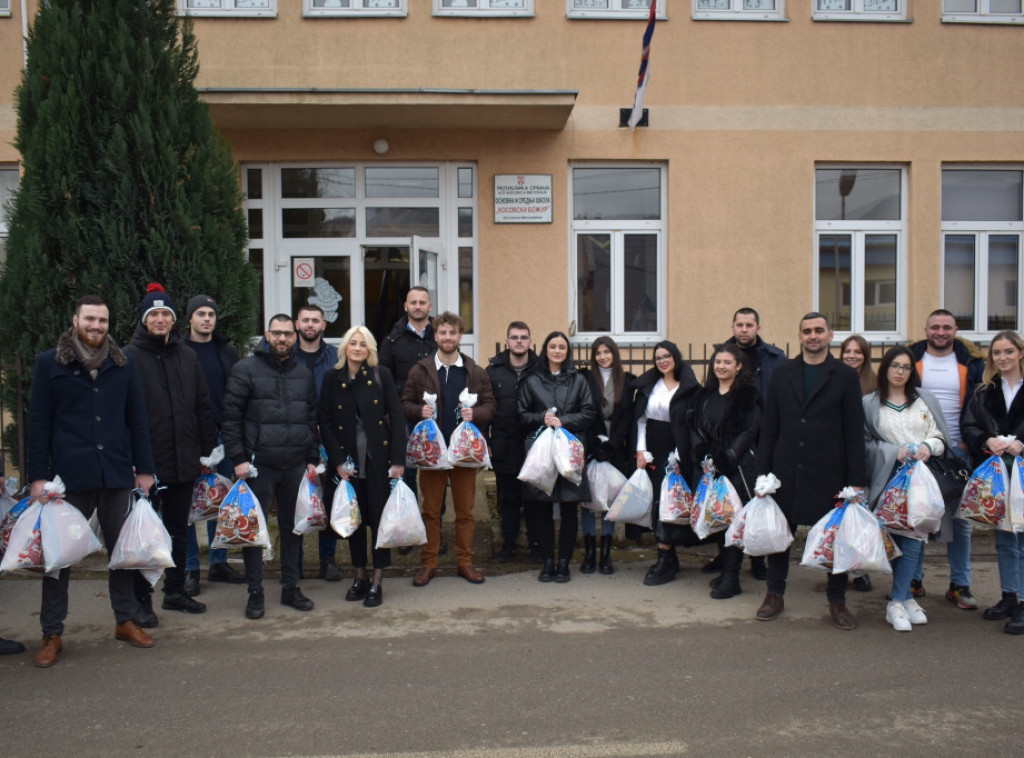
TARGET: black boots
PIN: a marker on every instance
(729, 583)
(606, 555)
(664, 570)
(562, 572)
(589, 565)
(547, 574)
(191, 586)
(1004, 609)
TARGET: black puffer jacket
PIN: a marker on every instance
(402, 349)
(177, 402)
(270, 411)
(505, 434)
(731, 442)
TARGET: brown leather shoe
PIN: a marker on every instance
(471, 575)
(771, 607)
(133, 634)
(48, 651)
(423, 577)
(842, 617)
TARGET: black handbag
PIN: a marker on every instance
(951, 474)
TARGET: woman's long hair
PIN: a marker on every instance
(913, 381)
(618, 374)
(677, 356)
(743, 377)
(543, 357)
(991, 372)
(868, 380)
(371, 343)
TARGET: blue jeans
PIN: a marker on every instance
(903, 568)
(589, 521)
(226, 468)
(1010, 557)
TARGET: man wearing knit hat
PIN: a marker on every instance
(216, 357)
(181, 428)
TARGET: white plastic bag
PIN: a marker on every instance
(400, 522)
(716, 509)
(569, 456)
(675, 501)
(633, 503)
(468, 446)
(66, 536)
(24, 554)
(858, 543)
(7, 525)
(925, 506)
(426, 447)
(539, 467)
(144, 542)
(765, 529)
(1014, 519)
(345, 516)
(310, 512)
(605, 483)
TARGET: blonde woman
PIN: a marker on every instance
(361, 418)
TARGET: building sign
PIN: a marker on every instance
(522, 198)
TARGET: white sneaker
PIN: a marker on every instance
(915, 612)
(896, 614)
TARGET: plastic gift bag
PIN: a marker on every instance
(8, 487)
(1013, 521)
(209, 489)
(539, 467)
(426, 447)
(67, 537)
(859, 544)
(605, 483)
(891, 510)
(819, 550)
(985, 497)
(310, 511)
(240, 521)
(400, 522)
(24, 552)
(143, 543)
(468, 447)
(7, 525)
(345, 516)
(925, 505)
(765, 528)
(716, 505)
(633, 503)
(675, 499)
(569, 455)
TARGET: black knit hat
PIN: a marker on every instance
(200, 301)
(156, 298)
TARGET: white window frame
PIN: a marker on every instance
(616, 11)
(228, 9)
(617, 229)
(738, 13)
(5, 8)
(982, 14)
(4, 198)
(483, 8)
(859, 230)
(857, 13)
(358, 9)
(982, 230)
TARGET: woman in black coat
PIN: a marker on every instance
(555, 383)
(361, 418)
(655, 422)
(607, 381)
(724, 423)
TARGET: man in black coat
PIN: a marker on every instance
(270, 421)
(812, 439)
(506, 438)
(88, 425)
(182, 430)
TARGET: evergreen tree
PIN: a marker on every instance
(125, 181)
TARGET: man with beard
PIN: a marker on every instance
(88, 425)
(319, 357)
(270, 422)
(182, 430)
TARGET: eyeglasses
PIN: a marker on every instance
(278, 334)
(901, 368)
(520, 339)
(662, 358)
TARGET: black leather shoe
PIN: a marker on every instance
(562, 572)
(547, 574)
(1004, 609)
(296, 599)
(663, 571)
(589, 565)
(605, 566)
(358, 590)
(222, 572)
(507, 554)
(147, 619)
(374, 597)
(862, 583)
(191, 585)
(1016, 624)
(183, 603)
(254, 608)
(10, 647)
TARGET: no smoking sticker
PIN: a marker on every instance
(302, 272)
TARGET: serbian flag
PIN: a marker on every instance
(645, 71)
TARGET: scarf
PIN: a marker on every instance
(91, 360)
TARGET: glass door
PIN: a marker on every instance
(327, 273)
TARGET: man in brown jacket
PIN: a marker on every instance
(445, 374)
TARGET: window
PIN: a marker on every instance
(860, 232)
(982, 226)
(739, 10)
(8, 186)
(5, 7)
(264, 8)
(983, 11)
(483, 7)
(616, 9)
(355, 8)
(860, 10)
(618, 251)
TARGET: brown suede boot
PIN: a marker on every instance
(771, 607)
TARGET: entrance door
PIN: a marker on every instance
(328, 273)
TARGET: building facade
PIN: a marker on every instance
(864, 158)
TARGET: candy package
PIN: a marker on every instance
(400, 522)
(7, 525)
(765, 528)
(468, 447)
(144, 542)
(985, 497)
(859, 544)
(24, 553)
(569, 455)
(539, 467)
(714, 504)
(633, 503)
(310, 511)
(426, 447)
(207, 495)
(891, 510)
(67, 537)
(819, 550)
(345, 516)
(240, 521)
(605, 482)
(675, 500)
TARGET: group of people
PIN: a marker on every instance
(109, 421)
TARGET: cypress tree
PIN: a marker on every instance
(125, 180)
